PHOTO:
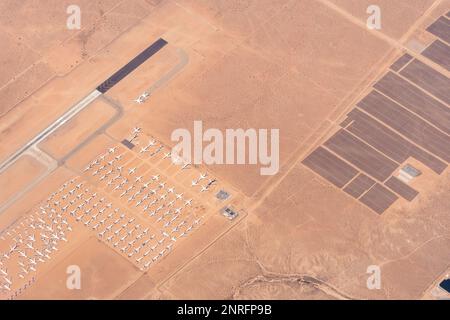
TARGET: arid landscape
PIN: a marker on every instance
(94, 203)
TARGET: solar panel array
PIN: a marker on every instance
(405, 115)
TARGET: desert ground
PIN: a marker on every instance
(87, 178)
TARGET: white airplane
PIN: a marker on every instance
(136, 130)
(118, 157)
(185, 166)
(194, 183)
(138, 179)
(170, 204)
(138, 100)
(5, 286)
(167, 155)
(203, 176)
(3, 272)
(177, 211)
(112, 150)
(155, 177)
(141, 99)
(188, 202)
(171, 190)
(151, 143)
(179, 196)
(145, 186)
(132, 170)
(144, 149)
(123, 193)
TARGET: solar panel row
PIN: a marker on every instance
(361, 155)
(389, 142)
(401, 62)
(415, 100)
(132, 65)
(439, 53)
(441, 28)
(330, 167)
(429, 79)
(405, 115)
(359, 185)
(407, 123)
(401, 188)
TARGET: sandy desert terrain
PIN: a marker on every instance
(87, 177)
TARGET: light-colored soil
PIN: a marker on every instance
(289, 64)
(104, 273)
(18, 176)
